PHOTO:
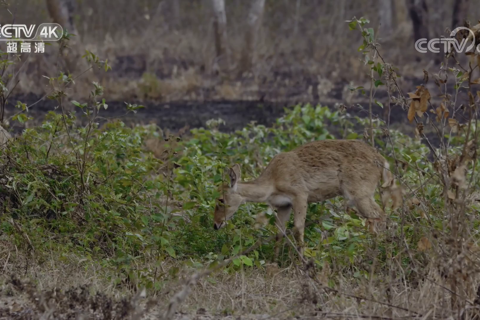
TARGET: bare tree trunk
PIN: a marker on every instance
(220, 32)
(253, 23)
(400, 12)
(386, 17)
(418, 11)
(174, 8)
(297, 17)
(460, 12)
(61, 12)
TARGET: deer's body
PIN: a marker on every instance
(314, 172)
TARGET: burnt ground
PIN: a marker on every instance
(191, 99)
(175, 115)
(193, 114)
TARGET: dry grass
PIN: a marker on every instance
(72, 284)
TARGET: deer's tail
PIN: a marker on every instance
(387, 176)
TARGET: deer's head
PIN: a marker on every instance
(229, 200)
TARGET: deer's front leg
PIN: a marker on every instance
(300, 206)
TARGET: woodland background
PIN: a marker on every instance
(206, 50)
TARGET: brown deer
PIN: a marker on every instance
(313, 172)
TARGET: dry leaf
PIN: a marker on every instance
(261, 220)
(402, 164)
(423, 214)
(471, 99)
(437, 166)
(412, 203)
(419, 103)
(366, 136)
(394, 193)
(424, 244)
(453, 125)
(271, 269)
(424, 98)
(417, 134)
(324, 275)
(458, 177)
(476, 32)
(470, 151)
(411, 110)
(451, 195)
(441, 111)
(418, 130)
(476, 81)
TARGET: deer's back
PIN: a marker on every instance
(322, 167)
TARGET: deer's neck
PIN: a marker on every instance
(254, 191)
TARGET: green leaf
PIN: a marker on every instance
(171, 252)
(370, 33)
(352, 135)
(225, 250)
(379, 69)
(247, 261)
(327, 224)
(352, 25)
(378, 83)
(21, 105)
(237, 261)
(188, 205)
(163, 241)
(379, 104)
(306, 119)
(22, 118)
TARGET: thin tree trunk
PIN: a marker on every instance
(253, 24)
(400, 12)
(386, 17)
(460, 12)
(175, 13)
(61, 12)
(297, 17)
(418, 11)
(220, 32)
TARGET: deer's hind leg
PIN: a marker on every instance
(300, 206)
(283, 214)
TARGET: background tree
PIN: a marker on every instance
(254, 21)
(460, 12)
(61, 12)
(418, 11)
(386, 17)
(220, 33)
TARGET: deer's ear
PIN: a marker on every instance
(235, 176)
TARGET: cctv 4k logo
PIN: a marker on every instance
(23, 32)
